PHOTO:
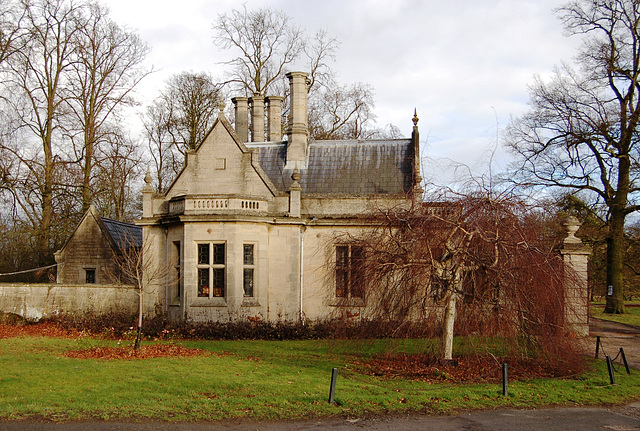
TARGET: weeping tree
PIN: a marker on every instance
(480, 255)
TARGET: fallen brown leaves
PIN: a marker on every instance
(39, 330)
(108, 353)
(144, 352)
(470, 369)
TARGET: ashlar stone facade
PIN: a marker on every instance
(251, 226)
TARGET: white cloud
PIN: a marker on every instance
(464, 65)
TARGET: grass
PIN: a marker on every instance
(254, 379)
(631, 315)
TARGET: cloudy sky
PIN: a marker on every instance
(464, 65)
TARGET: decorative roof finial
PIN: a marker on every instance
(147, 177)
(296, 175)
(415, 117)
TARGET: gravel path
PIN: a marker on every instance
(613, 336)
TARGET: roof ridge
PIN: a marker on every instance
(118, 221)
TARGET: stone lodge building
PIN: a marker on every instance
(88, 255)
(251, 229)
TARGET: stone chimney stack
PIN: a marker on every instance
(257, 118)
(274, 114)
(241, 107)
(297, 132)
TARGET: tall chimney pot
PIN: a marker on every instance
(297, 131)
(241, 108)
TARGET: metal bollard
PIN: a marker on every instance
(332, 389)
(612, 378)
(624, 360)
(597, 345)
(505, 380)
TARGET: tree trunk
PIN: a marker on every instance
(615, 277)
(88, 167)
(136, 345)
(449, 320)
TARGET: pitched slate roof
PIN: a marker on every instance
(123, 234)
(350, 166)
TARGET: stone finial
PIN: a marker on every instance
(571, 225)
(148, 180)
(295, 191)
(221, 107)
(295, 176)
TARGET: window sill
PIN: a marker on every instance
(209, 302)
(347, 302)
(250, 303)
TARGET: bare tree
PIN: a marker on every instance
(106, 69)
(178, 120)
(166, 157)
(192, 100)
(37, 77)
(136, 264)
(268, 42)
(342, 112)
(581, 133)
(11, 35)
(69, 71)
(481, 252)
(118, 165)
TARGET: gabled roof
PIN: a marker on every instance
(119, 234)
(343, 167)
(222, 121)
(123, 234)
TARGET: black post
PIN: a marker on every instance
(612, 378)
(505, 380)
(597, 345)
(332, 389)
(624, 360)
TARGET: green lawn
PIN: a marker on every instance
(630, 317)
(254, 379)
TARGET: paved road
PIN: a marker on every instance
(625, 418)
(557, 419)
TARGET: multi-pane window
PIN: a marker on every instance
(248, 269)
(211, 270)
(349, 271)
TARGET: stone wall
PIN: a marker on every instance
(35, 301)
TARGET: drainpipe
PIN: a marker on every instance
(166, 265)
(302, 232)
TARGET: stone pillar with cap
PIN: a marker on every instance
(147, 196)
(295, 191)
(241, 108)
(416, 186)
(575, 255)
